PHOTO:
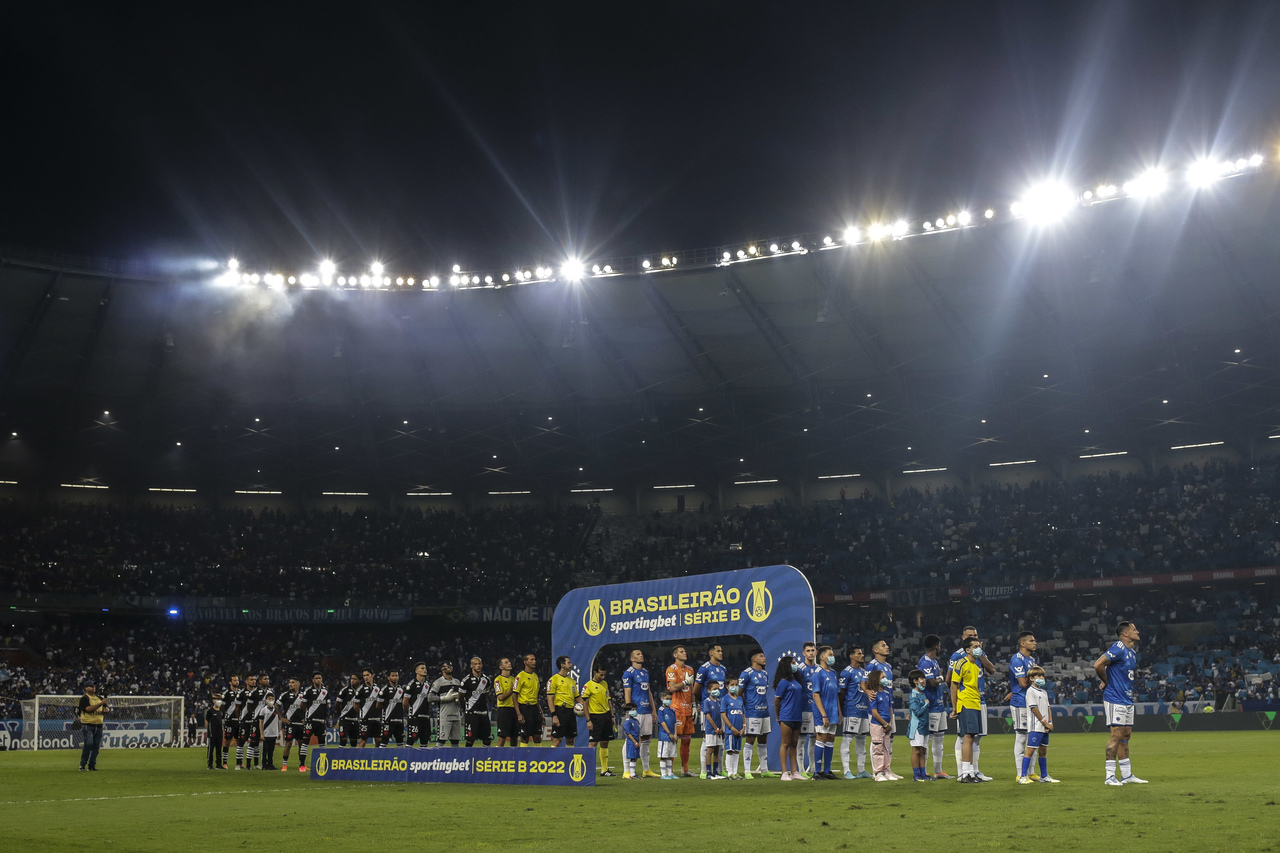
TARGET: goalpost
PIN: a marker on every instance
(132, 722)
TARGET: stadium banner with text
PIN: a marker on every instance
(297, 614)
(572, 766)
(771, 604)
(486, 613)
(116, 734)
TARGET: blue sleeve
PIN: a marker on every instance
(1112, 654)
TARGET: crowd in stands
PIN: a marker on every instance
(1218, 516)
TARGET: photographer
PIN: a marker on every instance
(92, 707)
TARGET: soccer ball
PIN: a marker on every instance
(579, 709)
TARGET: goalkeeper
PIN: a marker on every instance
(446, 692)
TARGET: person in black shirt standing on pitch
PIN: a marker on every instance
(316, 699)
(254, 695)
(348, 713)
(475, 704)
(391, 708)
(293, 724)
(416, 707)
(366, 700)
(213, 729)
(231, 720)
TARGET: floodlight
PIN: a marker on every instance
(876, 231)
(457, 268)
(900, 228)
(1150, 183)
(328, 267)
(342, 279)
(454, 280)
(674, 260)
(376, 268)
(851, 234)
(400, 281)
(1045, 202)
(254, 278)
(963, 217)
(773, 247)
(595, 268)
(506, 277)
(795, 244)
(435, 281)
(233, 264)
(826, 241)
(989, 213)
(411, 281)
(726, 256)
(666, 262)
(928, 226)
(741, 254)
(1204, 172)
(573, 269)
(1106, 190)
(951, 219)
(941, 223)
(645, 264)
(608, 269)
(1255, 161)
(488, 279)
(752, 249)
(1240, 164)
(475, 279)
(292, 280)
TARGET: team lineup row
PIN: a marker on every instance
(812, 703)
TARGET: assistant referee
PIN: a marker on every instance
(528, 711)
(562, 693)
(595, 695)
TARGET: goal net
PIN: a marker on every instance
(132, 722)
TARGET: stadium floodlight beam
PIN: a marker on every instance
(1204, 172)
(376, 268)
(328, 267)
(963, 217)
(1045, 202)
(573, 269)
(233, 264)
(852, 234)
(900, 228)
(876, 231)
(1255, 161)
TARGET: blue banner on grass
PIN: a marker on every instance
(490, 765)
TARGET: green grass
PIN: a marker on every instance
(1208, 792)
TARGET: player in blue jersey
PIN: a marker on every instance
(733, 721)
(987, 668)
(754, 683)
(856, 711)
(713, 730)
(1019, 679)
(666, 724)
(808, 666)
(935, 690)
(635, 690)
(824, 685)
(712, 670)
(1116, 668)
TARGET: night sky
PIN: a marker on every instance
(428, 134)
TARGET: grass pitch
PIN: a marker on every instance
(1208, 792)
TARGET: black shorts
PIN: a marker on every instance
(564, 724)
(602, 728)
(506, 720)
(532, 725)
(255, 736)
(419, 729)
(478, 727)
(314, 729)
(393, 729)
(294, 731)
(350, 730)
(370, 728)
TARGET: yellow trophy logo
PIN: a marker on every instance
(578, 768)
(593, 618)
(759, 603)
(322, 764)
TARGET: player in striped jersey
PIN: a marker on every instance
(294, 721)
(366, 700)
(417, 710)
(391, 710)
(316, 698)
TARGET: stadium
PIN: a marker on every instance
(422, 496)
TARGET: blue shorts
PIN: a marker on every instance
(733, 743)
(970, 722)
(1037, 739)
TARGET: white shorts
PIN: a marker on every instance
(646, 725)
(758, 726)
(918, 739)
(1118, 715)
(937, 722)
(710, 739)
(857, 725)
(806, 723)
(666, 749)
(1020, 717)
(826, 730)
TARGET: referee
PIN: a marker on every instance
(595, 695)
(562, 692)
(528, 712)
(92, 707)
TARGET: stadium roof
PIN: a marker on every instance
(1127, 326)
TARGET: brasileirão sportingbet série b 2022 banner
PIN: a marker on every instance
(574, 766)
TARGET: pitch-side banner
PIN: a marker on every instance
(575, 767)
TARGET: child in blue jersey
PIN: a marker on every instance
(666, 739)
(733, 719)
(918, 726)
(713, 730)
(631, 731)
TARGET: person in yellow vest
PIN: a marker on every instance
(562, 694)
(92, 707)
(528, 711)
